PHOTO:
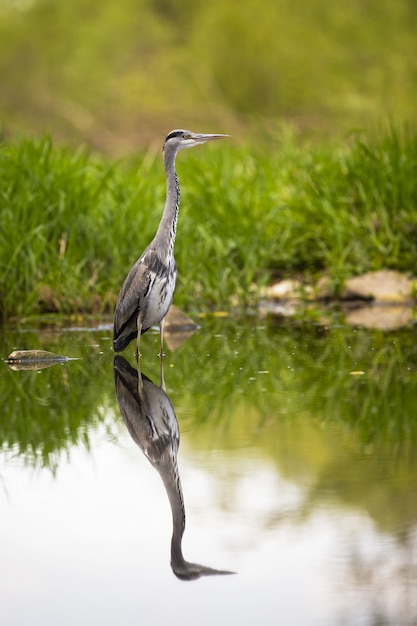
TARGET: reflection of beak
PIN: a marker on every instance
(201, 138)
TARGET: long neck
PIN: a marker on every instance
(167, 228)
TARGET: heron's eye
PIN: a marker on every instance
(187, 136)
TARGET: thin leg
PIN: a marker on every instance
(162, 376)
(161, 352)
(140, 380)
(138, 340)
(161, 337)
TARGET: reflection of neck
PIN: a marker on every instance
(168, 469)
(185, 570)
(179, 565)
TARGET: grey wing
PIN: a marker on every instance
(131, 298)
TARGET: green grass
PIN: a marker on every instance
(72, 223)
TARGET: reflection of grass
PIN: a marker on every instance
(281, 375)
(378, 405)
(72, 225)
(47, 412)
(309, 372)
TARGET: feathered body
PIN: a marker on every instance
(153, 301)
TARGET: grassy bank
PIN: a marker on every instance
(72, 223)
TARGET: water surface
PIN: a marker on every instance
(297, 463)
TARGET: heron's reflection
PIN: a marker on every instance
(151, 421)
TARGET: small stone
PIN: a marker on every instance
(35, 356)
(323, 288)
(178, 328)
(289, 289)
(176, 320)
(383, 286)
(33, 359)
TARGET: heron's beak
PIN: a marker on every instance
(201, 138)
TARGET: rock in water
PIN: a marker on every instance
(33, 359)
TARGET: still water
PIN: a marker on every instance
(297, 464)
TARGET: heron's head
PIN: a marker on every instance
(179, 139)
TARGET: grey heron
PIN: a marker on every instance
(147, 292)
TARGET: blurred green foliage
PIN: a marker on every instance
(121, 73)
